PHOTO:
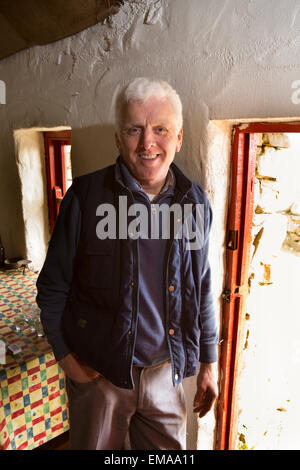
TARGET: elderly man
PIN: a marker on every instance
(128, 316)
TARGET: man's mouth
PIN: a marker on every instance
(149, 157)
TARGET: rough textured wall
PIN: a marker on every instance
(228, 59)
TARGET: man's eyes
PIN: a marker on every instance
(134, 131)
(158, 130)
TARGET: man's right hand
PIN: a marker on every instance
(77, 371)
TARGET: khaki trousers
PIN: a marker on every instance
(153, 414)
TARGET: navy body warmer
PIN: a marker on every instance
(88, 289)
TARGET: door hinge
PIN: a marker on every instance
(232, 240)
(226, 295)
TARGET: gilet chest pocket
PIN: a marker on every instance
(100, 270)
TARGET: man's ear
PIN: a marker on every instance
(179, 140)
(117, 141)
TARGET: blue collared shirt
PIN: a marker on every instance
(151, 345)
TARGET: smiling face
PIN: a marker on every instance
(148, 140)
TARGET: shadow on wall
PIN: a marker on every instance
(12, 230)
(93, 148)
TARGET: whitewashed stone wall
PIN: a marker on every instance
(228, 59)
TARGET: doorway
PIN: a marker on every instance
(260, 348)
(32, 164)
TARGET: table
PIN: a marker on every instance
(33, 399)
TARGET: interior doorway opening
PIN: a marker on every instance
(31, 159)
(261, 351)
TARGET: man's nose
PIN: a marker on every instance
(147, 139)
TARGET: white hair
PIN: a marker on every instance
(141, 89)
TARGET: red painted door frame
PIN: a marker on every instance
(239, 225)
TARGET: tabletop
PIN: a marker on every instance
(33, 399)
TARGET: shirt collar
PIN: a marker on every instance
(133, 184)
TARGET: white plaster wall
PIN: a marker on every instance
(227, 59)
(31, 168)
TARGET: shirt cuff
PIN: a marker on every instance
(208, 353)
(59, 347)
